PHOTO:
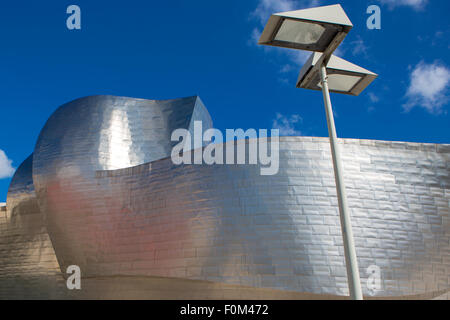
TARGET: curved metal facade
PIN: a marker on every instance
(115, 205)
(28, 265)
(106, 133)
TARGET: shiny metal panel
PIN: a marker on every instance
(98, 133)
(28, 265)
(115, 204)
(229, 224)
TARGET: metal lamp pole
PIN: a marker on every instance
(347, 234)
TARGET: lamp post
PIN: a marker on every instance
(321, 30)
(354, 281)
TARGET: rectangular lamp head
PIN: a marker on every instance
(311, 29)
(343, 76)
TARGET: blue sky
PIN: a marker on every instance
(170, 49)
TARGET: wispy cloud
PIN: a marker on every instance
(287, 125)
(256, 34)
(373, 97)
(415, 4)
(266, 7)
(439, 38)
(429, 84)
(359, 47)
(370, 109)
(6, 169)
(298, 57)
(286, 68)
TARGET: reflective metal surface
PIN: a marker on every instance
(99, 133)
(28, 265)
(115, 205)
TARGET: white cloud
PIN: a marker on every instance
(286, 68)
(359, 47)
(266, 7)
(355, 47)
(256, 34)
(340, 51)
(298, 57)
(373, 97)
(286, 125)
(428, 87)
(6, 169)
(416, 4)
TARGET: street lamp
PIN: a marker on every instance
(317, 29)
(343, 76)
(322, 30)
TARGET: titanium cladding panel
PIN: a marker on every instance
(28, 265)
(113, 203)
(231, 225)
